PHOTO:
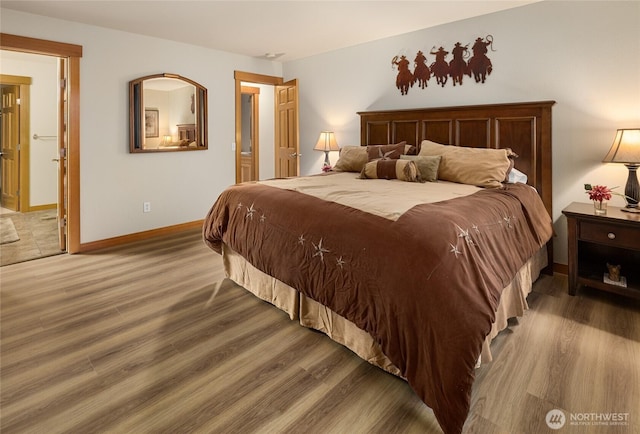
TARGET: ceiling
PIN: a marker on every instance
(280, 30)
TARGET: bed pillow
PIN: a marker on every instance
(403, 170)
(516, 176)
(483, 167)
(393, 152)
(427, 166)
(351, 159)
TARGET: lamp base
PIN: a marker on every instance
(326, 159)
(631, 210)
(632, 189)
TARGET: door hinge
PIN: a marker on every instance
(18, 146)
(18, 101)
(62, 152)
(63, 83)
(63, 222)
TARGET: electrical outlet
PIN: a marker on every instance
(146, 207)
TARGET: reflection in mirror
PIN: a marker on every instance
(167, 112)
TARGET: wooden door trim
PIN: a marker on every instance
(61, 154)
(257, 78)
(14, 79)
(73, 53)
(249, 77)
(25, 141)
(39, 46)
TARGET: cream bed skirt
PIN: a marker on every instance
(312, 314)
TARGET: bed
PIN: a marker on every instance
(414, 277)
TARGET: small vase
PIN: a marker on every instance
(600, 207)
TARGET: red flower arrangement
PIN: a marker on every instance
(598, 192)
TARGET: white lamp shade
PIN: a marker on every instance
(327, 142)
(625, 147)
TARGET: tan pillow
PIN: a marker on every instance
(351, 159)
(403, 170)
(483, 167)
(427, 166)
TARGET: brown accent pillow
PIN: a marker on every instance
(403, 170)
(351, 159)
(483, 167)
(427, 166)
(392, 152)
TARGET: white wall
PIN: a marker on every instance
(43, 99)
(181, 186)
(584, 55)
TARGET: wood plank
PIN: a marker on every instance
(128, 339)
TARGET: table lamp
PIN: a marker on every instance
(327, 142)
(626, 150)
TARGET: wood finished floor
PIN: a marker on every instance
(126, 340)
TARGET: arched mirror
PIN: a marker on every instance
(167, 113)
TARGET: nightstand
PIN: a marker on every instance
(595, 240)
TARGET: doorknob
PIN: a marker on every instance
(295, 154)
(55, 159)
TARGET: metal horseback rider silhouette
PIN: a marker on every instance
(458, 66)
(404, 78)
(421, 74)
(440, 68)
(479, 63)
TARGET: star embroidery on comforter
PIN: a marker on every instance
(320, 250)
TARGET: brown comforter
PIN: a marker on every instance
(425, 286)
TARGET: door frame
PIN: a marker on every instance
(247, 77)
(24, 83)
(255, 130)
(73, 53)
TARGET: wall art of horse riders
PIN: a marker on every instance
(478, 64)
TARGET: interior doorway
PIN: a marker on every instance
(250, 134)
(69, 129)
(277, 130)
(29, 226)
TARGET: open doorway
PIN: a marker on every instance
(28, 159)
(272, 149)
(67, 140)
(250, 135)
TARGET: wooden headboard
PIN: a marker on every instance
(187, 132)
(523, 127)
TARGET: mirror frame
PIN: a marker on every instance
(136, 105)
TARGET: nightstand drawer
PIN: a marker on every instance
(613, 235)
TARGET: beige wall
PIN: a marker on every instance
(181, 186)
(584, 55)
